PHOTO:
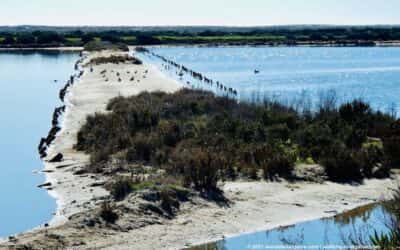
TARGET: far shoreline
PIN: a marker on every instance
(312, 44)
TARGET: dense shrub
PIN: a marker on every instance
(341, 166)
(204, 138)
(104, 45)
(107, 213)
(279, 165)
(115, 59)
(391, 144)
(121, 188)
(199, 166)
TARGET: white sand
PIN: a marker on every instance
(257, 206)
(86, 97)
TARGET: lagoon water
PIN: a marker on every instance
(292, 73)
(27, 100)
(330, 233)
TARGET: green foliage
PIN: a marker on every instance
(390, 240)
(95, 45)
(386, 241)
(200, 167)
(115, 59)
(121, 188)
(391, 143)
(26, 38)
(279, 164)
(107, 213)
(205, 138)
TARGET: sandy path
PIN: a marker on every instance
(88, 96)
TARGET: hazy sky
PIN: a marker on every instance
(198, 12)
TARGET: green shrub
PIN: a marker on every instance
(203, 138)
(121, 188)
(200, 167)
(391, 144)
(340, 165)
(104, 45)
(169, 203)
(279, 165)
(107, 213)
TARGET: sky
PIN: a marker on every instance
(198, 12)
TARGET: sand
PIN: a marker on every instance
(255, 205)
(88, 96)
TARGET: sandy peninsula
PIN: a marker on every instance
(254, 206)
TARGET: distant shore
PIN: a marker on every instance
(394, 43)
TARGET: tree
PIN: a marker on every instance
(147, 40)
(25, 38)
(8, 39)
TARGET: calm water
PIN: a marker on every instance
(27, 100)
(290, 73)
(337, 231)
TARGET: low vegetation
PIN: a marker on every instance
(107, 213)
(199, 139)
(96, 45)
(115, 60)
(392, 239)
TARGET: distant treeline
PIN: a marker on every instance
(277, 36)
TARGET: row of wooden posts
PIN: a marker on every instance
(182, 70)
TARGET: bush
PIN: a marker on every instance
(199, 166)
(340, 165)
(115, 60)
(279, 165)
(204, 138)
(391, 144)
(100, 45)
(107, 213)
(121, 188)
(370, 159)
(168, 202)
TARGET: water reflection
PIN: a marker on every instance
(29, 86)
(346, 229)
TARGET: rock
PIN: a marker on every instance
(47, 184)
(97, 184)
(58, 158)
(89, 222)
(80, 172)
(150, 196)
